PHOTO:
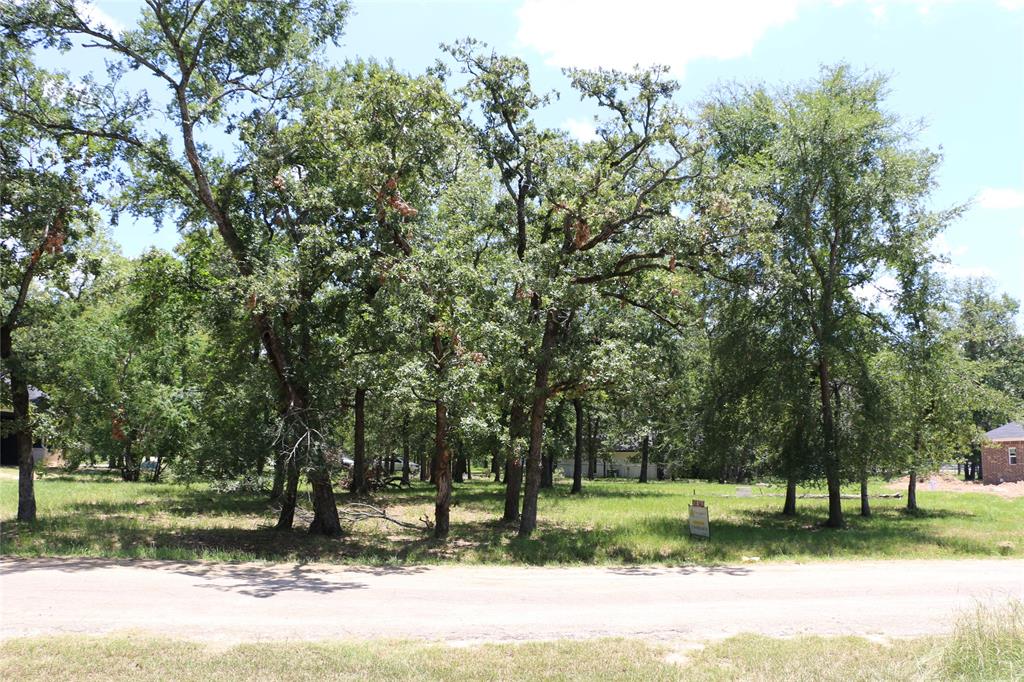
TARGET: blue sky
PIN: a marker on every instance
(957, 65)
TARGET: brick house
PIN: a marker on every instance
(1002, 457)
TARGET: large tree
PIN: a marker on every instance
(47, 191)
(585, 218)
(215, 59)
(848, 189)
(984, 325)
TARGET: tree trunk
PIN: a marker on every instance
(360, 483)
(514, 463)
(835, 501)
(577, 449)
(645, 457)
(865, 503)
(459, 468)
(912, 492)
(159, 468)
(442, 470)
(325, 509)
(424, 465)
(277, 353)
(592, 436)
(277, 488)
(528, 520)
(129, 468)
(789, 506)
(23, 426)
(405, 450)
(547, 479)
(289, 495)
(496, 465)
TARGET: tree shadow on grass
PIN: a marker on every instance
(135, 529)
(57, 474)
(71, 538)
(183, 503)
(490, 496)
(889, 533)
(665, 539)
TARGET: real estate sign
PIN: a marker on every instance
(699, 522)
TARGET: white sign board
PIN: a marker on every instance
(699, 522)
(744, 492)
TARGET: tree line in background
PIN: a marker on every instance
(383, 273)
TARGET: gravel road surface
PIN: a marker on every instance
(247, 602)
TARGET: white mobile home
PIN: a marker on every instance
(624, 463)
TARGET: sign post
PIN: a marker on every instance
(699, 522)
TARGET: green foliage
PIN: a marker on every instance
(837, 196)
(750, 288)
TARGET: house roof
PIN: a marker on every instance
(1011, 431)
(34, 394)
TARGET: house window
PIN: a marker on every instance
(1013, 455)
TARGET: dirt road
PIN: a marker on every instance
(230, 603)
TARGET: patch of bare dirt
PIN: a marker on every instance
(947, 482)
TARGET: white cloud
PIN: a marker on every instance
(94, 16)
(1012, 5)
(965, 271)
(947, 252)
(584, 131)
(1001, 197)
(615, 34)
(940, 246)
(609, 33)
(881, 293)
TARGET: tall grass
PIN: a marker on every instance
(988, 644)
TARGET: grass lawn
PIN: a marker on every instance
(986, 646)
(613, 522)
(111, 658)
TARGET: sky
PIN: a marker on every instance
(957, 66)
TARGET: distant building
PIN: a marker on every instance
(8, 443)
(622, 461)
(1002, 457)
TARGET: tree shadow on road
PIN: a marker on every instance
(259, 581)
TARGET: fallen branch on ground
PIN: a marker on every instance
(355, 512)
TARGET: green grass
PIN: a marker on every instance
(963, 656)
(613, 522)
